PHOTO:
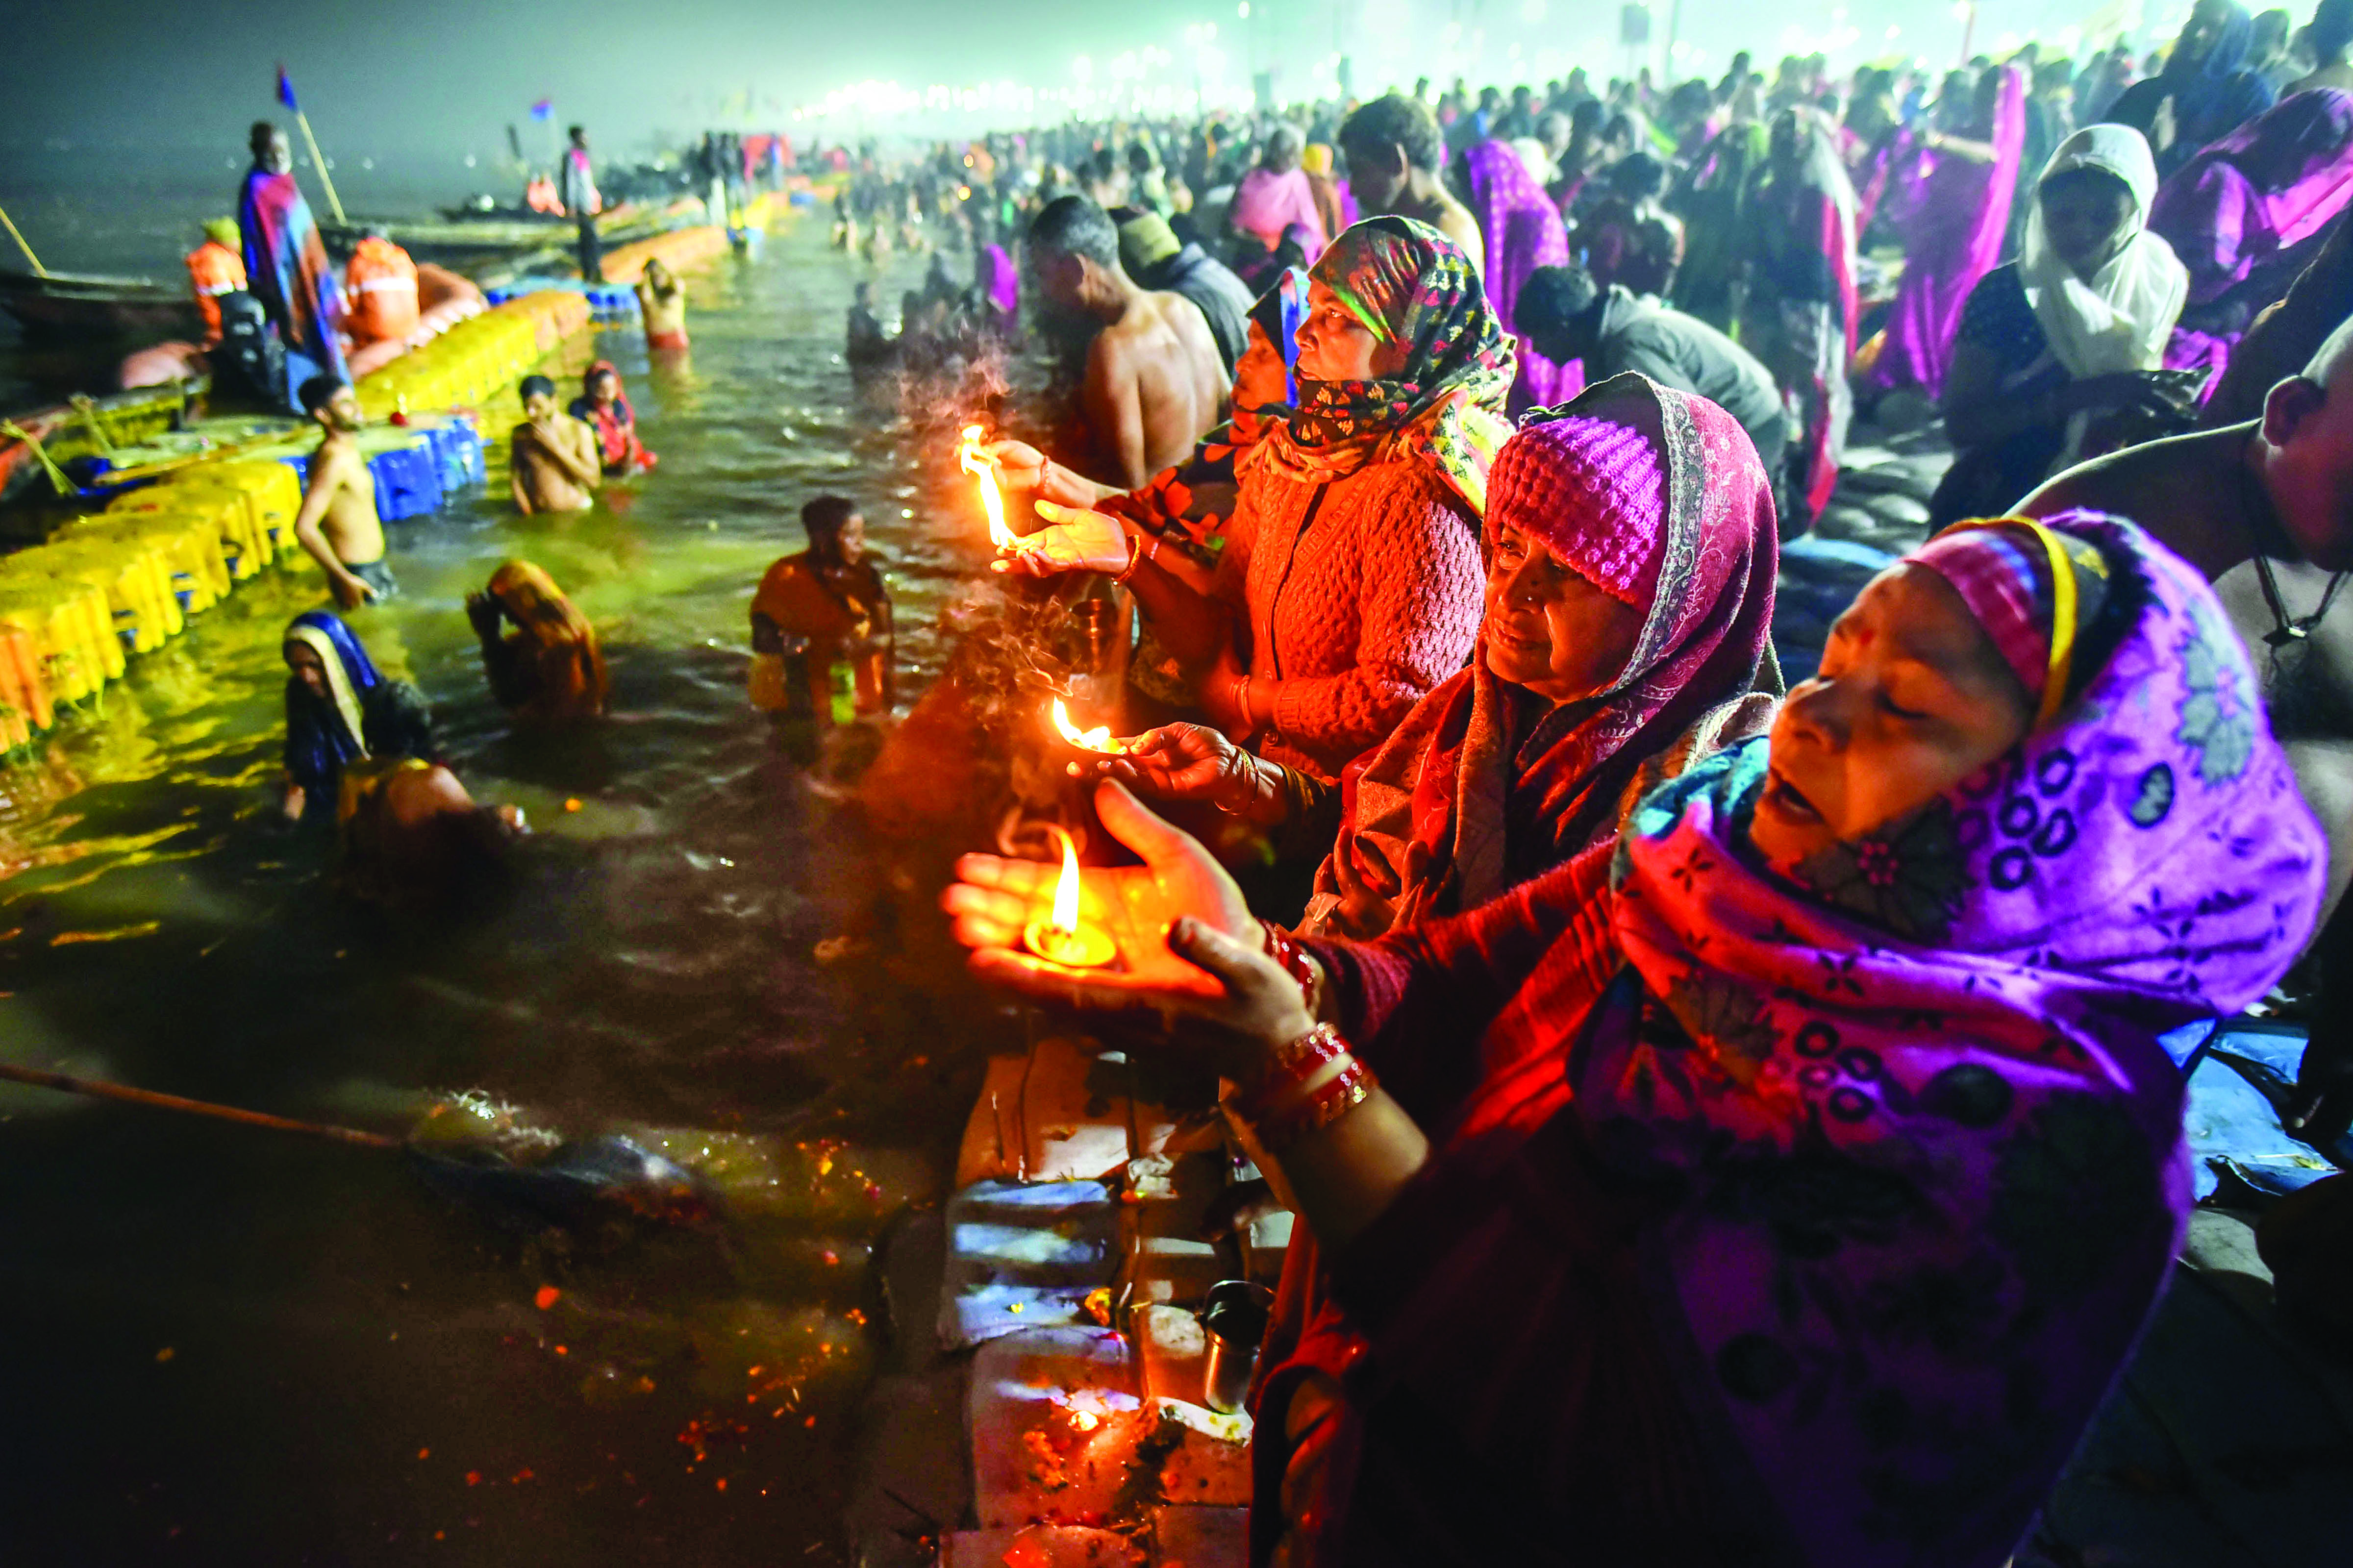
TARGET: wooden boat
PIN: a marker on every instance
(481, 242)
(79, 305)
(64, 432)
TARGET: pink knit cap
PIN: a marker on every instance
(1593, 485)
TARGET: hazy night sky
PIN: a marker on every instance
(446, 76)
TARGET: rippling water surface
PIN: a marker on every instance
(236, 1345)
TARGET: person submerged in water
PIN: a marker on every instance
(413, 838)
(826, 606)
(555, 464)
(340, 710)
(548, 667)
(606, 409)
(661, 300)
(337, 523)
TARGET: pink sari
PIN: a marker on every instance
(1954, 213)
(2269, 185)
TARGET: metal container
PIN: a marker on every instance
(1235, 1320)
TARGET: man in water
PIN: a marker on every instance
(661, 300)
(1394, 152)
(555, 465)
(286, 264)
(1568, 317)
(824, 607)
(338, 523)
(2265, 511)
(576, 187)
(1154, 384)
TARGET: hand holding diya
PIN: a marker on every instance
(1059, 938)
(1099, 740)
(996, 902)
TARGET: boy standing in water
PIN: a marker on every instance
(661, 298)
(554, 464)
(338, 523)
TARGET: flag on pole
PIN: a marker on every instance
(545, 109)
(286, 92)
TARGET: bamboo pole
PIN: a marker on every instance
(99, 1088)
(39, 271)
(320, 164)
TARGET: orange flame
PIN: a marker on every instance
(1098, 738)
(1066, 890)
(969, 459)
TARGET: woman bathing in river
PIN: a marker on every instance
(339, 711)
(1787, 1183)
(548, 667)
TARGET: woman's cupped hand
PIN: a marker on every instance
(1187, 944)
(1072, 541)
(1186, 762)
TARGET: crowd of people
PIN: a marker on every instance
(1727, 1124)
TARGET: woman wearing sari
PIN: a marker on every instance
(2240, 213)
(606, 409)
(1798, 316)
(340, 710)
(2072, 332)
(1522, 231)
(1786, 1183)
(1630, 554)
(2206, 83)
(1952, 209)
(1349, 585)
(548, 669)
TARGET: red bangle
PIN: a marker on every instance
(1284, 949)
(1319, 1108)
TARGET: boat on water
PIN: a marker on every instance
(474, 242)
(91, 427)
(83, 305)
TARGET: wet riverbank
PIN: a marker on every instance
(231, 1345)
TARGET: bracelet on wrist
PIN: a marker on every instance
(1317, 1108)
(1284, 949)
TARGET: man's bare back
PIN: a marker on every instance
(1453, 219)
(1155, 386)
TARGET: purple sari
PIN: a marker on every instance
(2255, 195)
(1954, 213)
(1523, 231)
(1806, 1216)
(1001, 280)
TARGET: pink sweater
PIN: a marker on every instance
(1375, 603)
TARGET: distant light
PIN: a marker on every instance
(1242, 10)
(469, 160)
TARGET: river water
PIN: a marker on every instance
(237, 1345)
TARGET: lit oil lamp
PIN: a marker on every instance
(1059, 938)
(1099, 739)
(968, 457)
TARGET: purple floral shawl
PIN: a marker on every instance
(1932, 1151)
(2269, 185)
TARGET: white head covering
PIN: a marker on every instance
(2120, 320)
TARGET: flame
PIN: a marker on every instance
(1098, 738)
(1066, 890)
(968, 457)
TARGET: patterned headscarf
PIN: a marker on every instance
(1931, 1149)
(1412, 285)
(322, 734)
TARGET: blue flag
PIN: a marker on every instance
(543, 109)
(286, 92)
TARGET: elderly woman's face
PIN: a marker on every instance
(303, 661)
(1550, 628)
(1334, 344)
(1912, 698)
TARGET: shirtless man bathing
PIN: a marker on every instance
(338, 523)
(553, 465)
(1154, 384)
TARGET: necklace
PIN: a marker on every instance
(2286, 629)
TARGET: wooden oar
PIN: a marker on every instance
(39, 271)
(99, 1088)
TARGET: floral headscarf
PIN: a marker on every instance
(1931, 1150)
(1409, 284)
